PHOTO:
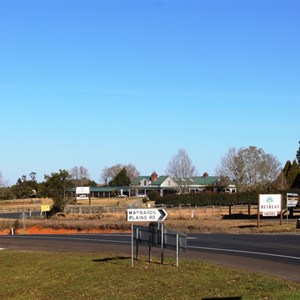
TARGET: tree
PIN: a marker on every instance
(2, 181)
(281, 183)
(79, 173)
(109, 173)
(251, 168)
(56, 187)
(24, 188)
(292, 174)
(80, 176)
(121, 179)
(181, 169)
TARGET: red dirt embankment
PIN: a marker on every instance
(39, 230)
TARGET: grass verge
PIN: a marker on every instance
(97, 276)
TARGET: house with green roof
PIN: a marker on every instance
(200, 183)
(141, 185)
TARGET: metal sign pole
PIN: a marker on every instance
(137, 244)
(131, 243)
(177, 249)
(162, 243)
(258, 212)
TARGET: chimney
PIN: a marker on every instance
(154, 177)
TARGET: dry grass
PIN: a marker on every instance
(187, 219)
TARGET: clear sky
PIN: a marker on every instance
(96, 83)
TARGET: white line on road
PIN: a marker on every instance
(244, 252)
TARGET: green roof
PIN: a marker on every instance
(138, 179)
(159, 180)
(202, 180)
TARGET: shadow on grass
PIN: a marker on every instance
(239, 217)
(226, 298)
(107, 259)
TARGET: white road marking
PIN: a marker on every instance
(245, 252)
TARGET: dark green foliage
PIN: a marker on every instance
(210, 198)
(5, 193)
(56, 187)
(24, 188)
(121, 179)
(153, 195)
(291, 172)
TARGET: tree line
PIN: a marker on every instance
(250, 169)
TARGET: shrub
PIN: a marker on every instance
(153, 195)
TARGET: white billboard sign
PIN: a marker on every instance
(269, 204)
(82, 192)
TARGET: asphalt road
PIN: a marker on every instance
(276, 254)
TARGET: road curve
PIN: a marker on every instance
(275, 254)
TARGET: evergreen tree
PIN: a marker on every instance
(121, 179)
(286, 168)
(293, 174)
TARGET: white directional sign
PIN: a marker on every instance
(291, 199)
(147, 214)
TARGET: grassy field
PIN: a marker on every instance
(98, 276)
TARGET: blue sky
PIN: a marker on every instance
(96, 83)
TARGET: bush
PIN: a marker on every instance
(153, 195)
(210, 198)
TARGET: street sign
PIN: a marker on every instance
(146, 215)
(291, 199)
(45, 208)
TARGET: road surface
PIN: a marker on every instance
(275, 254)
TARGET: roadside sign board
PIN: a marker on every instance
(45, 208)
(82, 193)
(146, 215)
(291, 199)
(269, 204)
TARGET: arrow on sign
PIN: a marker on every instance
(146, 215)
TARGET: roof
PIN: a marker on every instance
(159, 180)
(137, 180)
(203, 180)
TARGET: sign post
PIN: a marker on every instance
(269, 205)
(291, 202)
(144, 215)
(44, 209)
(83, 193)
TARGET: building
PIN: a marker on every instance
(141, 185)
(164, 185)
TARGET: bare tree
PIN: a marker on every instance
(2, 181)
(132, 171)
(80, 175)
(250, 168)
(181, 169)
